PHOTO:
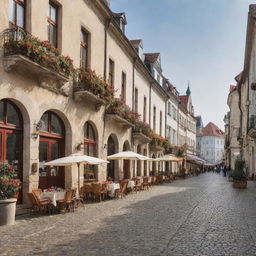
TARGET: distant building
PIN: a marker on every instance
(210, 143)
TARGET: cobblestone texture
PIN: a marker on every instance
(197, 216)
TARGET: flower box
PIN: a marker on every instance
(24, 52)
(89, 87)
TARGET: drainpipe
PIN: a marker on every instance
(106, 47)
(166, 104)
(149, 112)
(133, 83)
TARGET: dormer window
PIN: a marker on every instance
(120, 20)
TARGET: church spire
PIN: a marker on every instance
(188, 92)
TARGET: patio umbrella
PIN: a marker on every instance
(170, 157)
(127, 155)
(77, 159)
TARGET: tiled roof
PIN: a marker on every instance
(152, 57)
(232, 88)
(212, 130)
(137, 41)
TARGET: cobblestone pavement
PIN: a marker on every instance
(197, 216)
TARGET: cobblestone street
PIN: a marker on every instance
(197, 216)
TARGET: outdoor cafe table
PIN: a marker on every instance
(111, 187)
(53, 196)
(131, 184)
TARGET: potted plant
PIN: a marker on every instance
(238, 175)
(9, 186)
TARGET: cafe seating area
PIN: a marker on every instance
(56, 200)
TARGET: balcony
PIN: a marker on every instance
(26, 54)
(90, 88)
(140, 138)
(120, 121)
(156, 148)
(252, 126)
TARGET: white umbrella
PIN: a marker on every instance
(127, 155)
(76, 159)
(170, 157)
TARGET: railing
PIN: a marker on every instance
(17, 41)
(12, 35)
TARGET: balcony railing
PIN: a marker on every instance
(89, 87)
(24, 52)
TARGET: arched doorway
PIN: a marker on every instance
(112, 163)
(145, 163)
(51, 146)
(11, 137)
(127, 163)
(139, 161)
(90, 149)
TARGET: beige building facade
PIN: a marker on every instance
(46, 111)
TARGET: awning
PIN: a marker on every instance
(195, 159)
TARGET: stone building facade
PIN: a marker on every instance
(240, 121)
(45, 110)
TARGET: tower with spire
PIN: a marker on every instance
(188, 92)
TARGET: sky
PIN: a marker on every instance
(200, 41)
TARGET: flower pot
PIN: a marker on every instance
(7, 211)
(242, 184)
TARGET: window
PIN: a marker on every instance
(136, 100)
(145, 109)
(17, 10)
(169, 109)
(52, 24)
(154, 118)
(111, 72)
(84, 49)
(161, 123)
(89, 150)
(123, 89)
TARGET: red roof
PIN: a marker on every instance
(184, 100)
(137, 41)
(212, 130)
(232, 88)
(152, 57)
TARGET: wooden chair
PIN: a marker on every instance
(68, 202)
(104, 191)
(145, 184)
(38, 205)
(138, 185)
(123, 189)
(37, 192)
(97, 191)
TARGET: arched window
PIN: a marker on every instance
(89, 150)
(51, 146)
(11, 139)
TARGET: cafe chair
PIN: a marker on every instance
(67, 203)
(37, 192)
(41, 206)
(145, 183)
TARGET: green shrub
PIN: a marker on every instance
(238, 173)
